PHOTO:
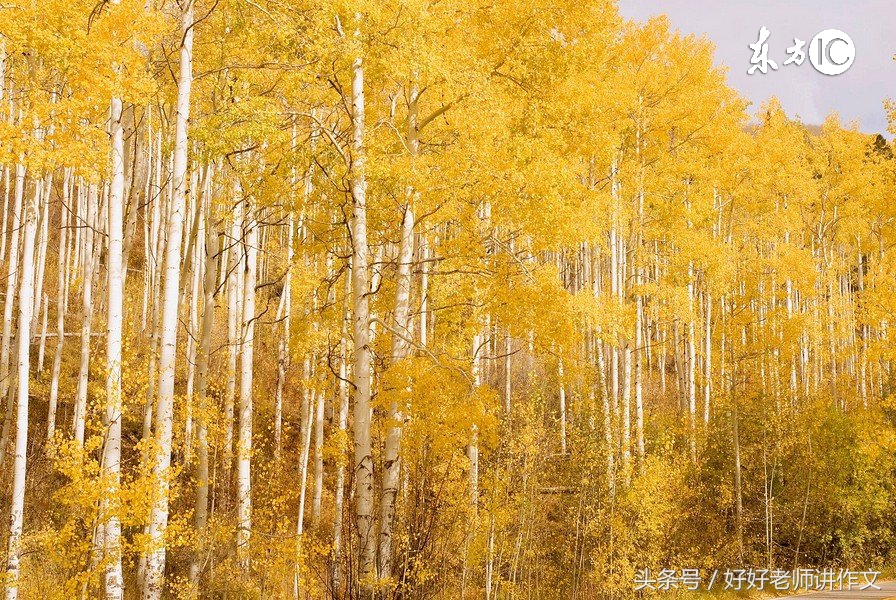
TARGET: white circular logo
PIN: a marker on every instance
(831, 52)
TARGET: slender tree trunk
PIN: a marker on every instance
(392, 450)
(244, 451)
(12, 276)
(608, 416)
(115, 318)
(303, 486)
(508, 372)
(342, 424)
(691, 368)
(60, 305)
(90, 257)
(639, 376)
(318, 459)
(707, 361)
(26, 304)
(739, 508)
(200, 516)
(41, 254)
(364, 517)
(6, 193)
(473, 447)
(155, 564)
(626, 410)
(562, 386)
(234, 331)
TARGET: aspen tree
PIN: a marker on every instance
(234, 329)
(244, 444)
(91, 257)
(26, 303)
(364, 515)
(342, 424)
(61, 268)
(400, 347)
(155, 564)
(12, 277)
(114, 581)
(208, 322)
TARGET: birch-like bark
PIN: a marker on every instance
(342, 424)
(161, 214)
(60, 304)
(283, 343)
(244, 445)
(608, 416)
(194, 334)
(234, 331)
(626, 409)
(562, 386)
(12, 275)
(424, 291)
(318, 459)
(691, 368)
(26, 305)
(303, 487)
(392, 449)
(200, 516)
(739, 508)
(43, 226)
(115, 286)
(473, 447)
(42, 343)
(91, 253)
(707, 360)
(154, 580)
(508, 372)
(639, 401)
(7, 187)
(364, 517)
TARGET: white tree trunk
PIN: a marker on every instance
(707, 360)
(115, 317)
(26, 304)
(283, 344)
(60, 304)
(234, 331)
(155, 565)
(364, 517)
(41, 253)
(244, 452)
(318, 460)
(342, 424)
(562, 387)
(6, 194)
(90, 254)
(311, 394)
(208, 322)
(392, 449)
(12, 272)
(639, 375)
(692, 367)
(473, 447)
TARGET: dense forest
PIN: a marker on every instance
(419, 299)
